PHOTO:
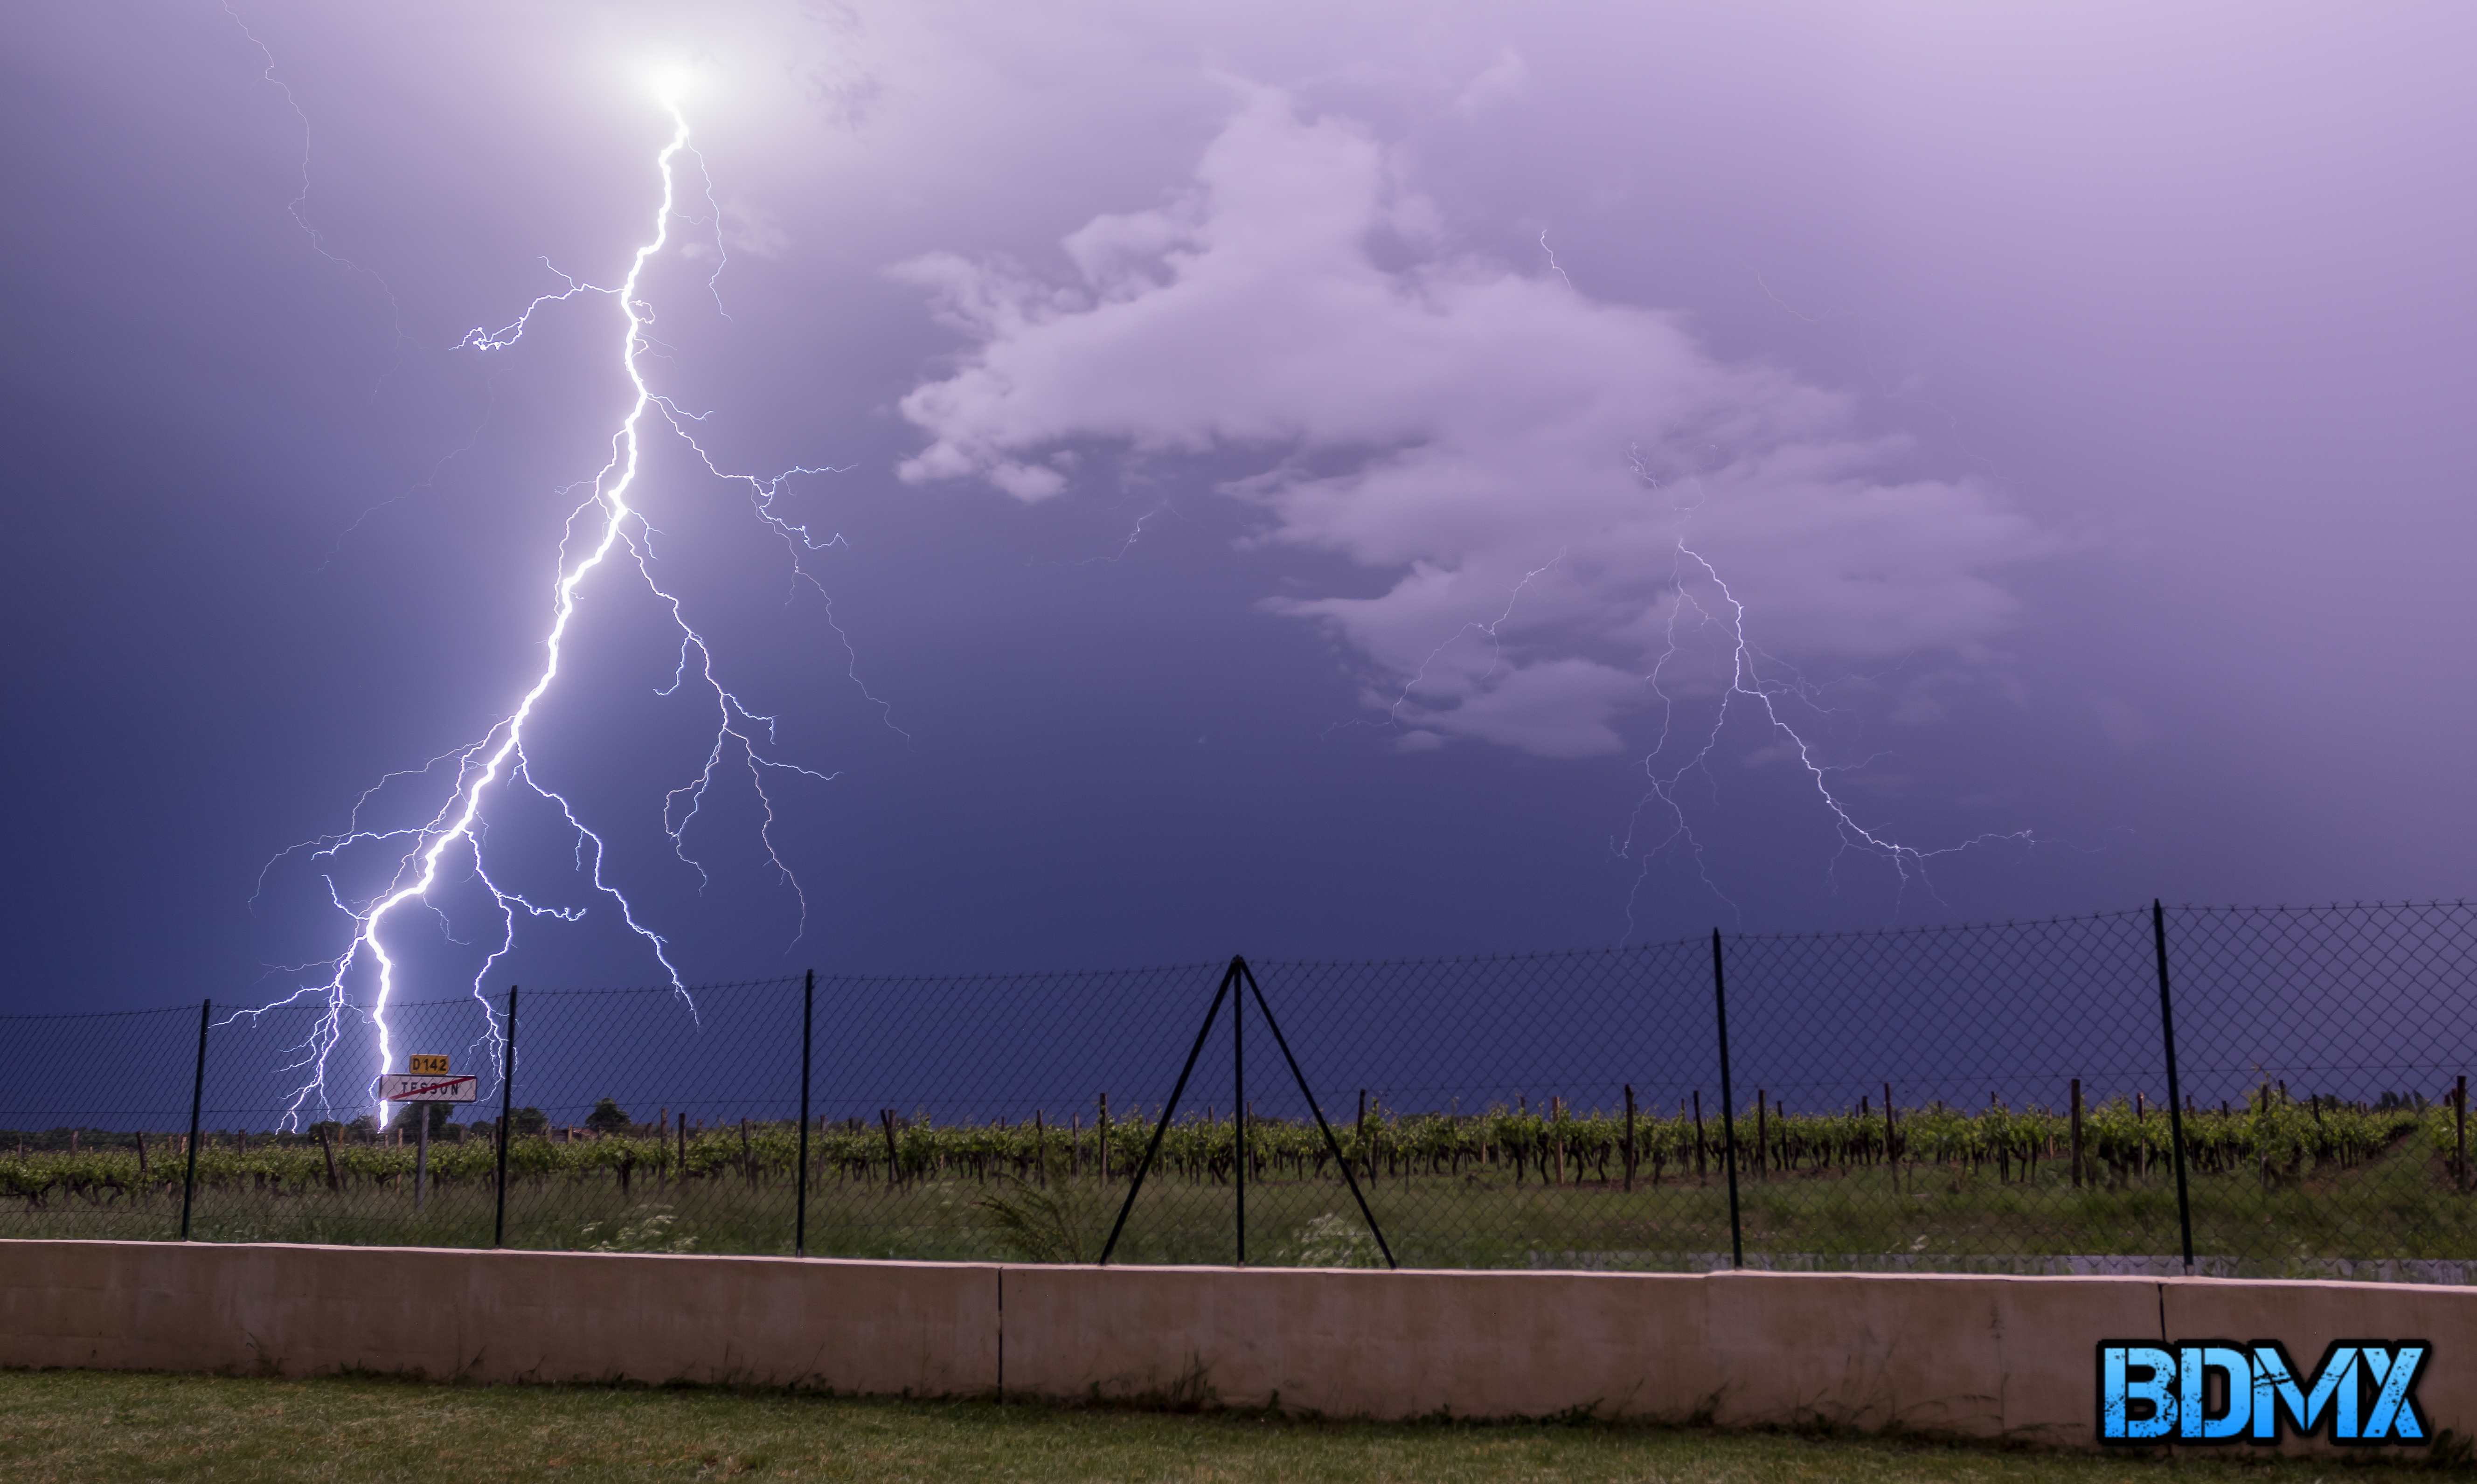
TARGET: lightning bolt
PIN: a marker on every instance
(299, 206)
(1492, 629)
(1692, 573)
(1554, 266)
(1700, 597)
(603, 529)
(1698, 589)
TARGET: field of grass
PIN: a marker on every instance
(93, 1428)
(2278, 1188)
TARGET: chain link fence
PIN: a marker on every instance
(2236, 1090)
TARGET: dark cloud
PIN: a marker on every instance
(2075, 398)
(1519, 460)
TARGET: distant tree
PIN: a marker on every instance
(609, 1117)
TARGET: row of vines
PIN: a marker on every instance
(2269, 1137)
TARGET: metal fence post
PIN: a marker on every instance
(1239, 1124)
(2176, 1092)
(1891, 1141)
(1628, 1137)
(420, 1155)
(2459, 1135)
(197, 1094)
(507, 1106)
(807, 1018)
(1728, 1103)
(2077, 1133)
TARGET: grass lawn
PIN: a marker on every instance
(95, 1428)
(2395, 1207)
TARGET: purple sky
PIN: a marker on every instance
(1301, 476)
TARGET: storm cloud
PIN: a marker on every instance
(1516, 460)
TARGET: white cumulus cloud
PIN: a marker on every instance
(1511, 462)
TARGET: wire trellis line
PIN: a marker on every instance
(2271, 1091)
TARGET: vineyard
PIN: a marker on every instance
(1990, 1097)
(2277, 1184)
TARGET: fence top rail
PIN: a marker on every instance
(101, 1015)
(1534, 956)
(1931, 929)
(1004, 976)
(2430, 904)
(548, 992)
(497, 999)
(996, 977)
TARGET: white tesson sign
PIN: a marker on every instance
(428, 1082)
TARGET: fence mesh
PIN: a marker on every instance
(1920, 1097)
(1988, 1098)
(2326, 1052)
(92, 1108)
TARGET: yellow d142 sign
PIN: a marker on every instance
(428, 1082)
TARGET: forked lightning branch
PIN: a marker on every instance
(448, 846)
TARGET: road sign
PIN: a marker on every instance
(427, 1065)
(404, 1087)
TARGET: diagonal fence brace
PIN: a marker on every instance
(1239, 966)
(1229, 977)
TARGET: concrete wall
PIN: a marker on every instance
(1986, 1356)
(1976, 1355)
(926, 1328)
